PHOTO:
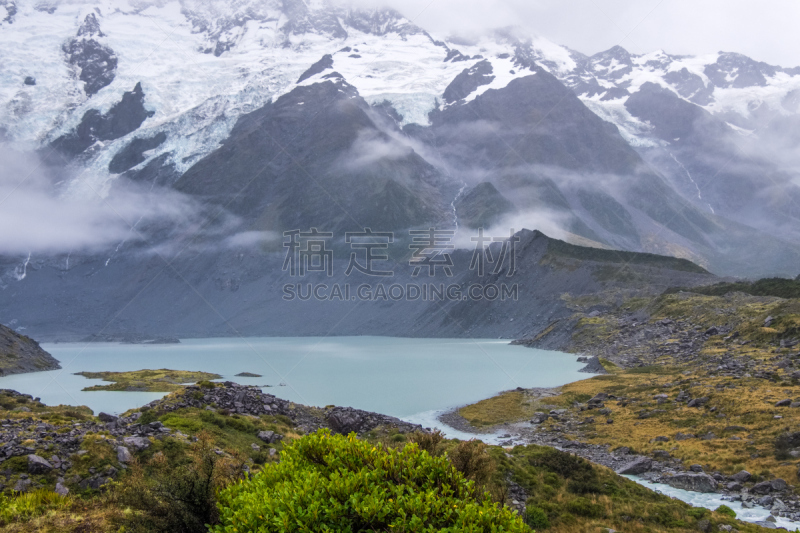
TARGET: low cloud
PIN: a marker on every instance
(371, 147)
(251, 239)
(548, 221)
(41, 213)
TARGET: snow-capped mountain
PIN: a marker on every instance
(263, 116)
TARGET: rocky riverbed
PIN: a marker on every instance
(775, 495)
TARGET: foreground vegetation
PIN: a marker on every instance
(214, 469)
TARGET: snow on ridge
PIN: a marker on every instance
(203, 64)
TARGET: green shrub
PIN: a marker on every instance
(148, 415)
(585, 508)
(727, 511)
(552, 480)
(472, 459)
(182, 497)
(337, 483)
(697, 512)
(428, 442)
(536, 518)
(583, 478)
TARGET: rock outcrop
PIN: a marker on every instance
(20, 354)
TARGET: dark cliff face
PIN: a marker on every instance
(20, 354)
(316, 157)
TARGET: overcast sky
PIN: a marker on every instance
(766, 31)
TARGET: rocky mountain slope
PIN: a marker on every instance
(245, 295)
(195, 133)
(20, 354)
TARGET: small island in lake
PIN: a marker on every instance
(162, 380)
(247, 375)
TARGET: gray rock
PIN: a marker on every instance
(784, 403)
(742, 476)
(694, 482)
(704, 525)
(38, 465)
(270, 437)
(107, 418)
(137, 443)
(779, 506)
(593, 366)
(699, 402)
(539, 418)
(764, 487)
(778, 484)
(640, 465)
(124, 455)
(734, 486)
(22, 485)
(684, 436)
(61, 489)
(696, 468)
(766, 525)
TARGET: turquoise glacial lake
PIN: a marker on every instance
(407, 378)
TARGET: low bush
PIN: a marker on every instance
(472, 459)
(536, 518)
(584, 507)
(726, 511)
(429, 442)
(183, 497)
(330, 482)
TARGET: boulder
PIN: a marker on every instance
(107, 418)
(765, 501)
(38, 465)
(124, 455)
(684, 436)
(137, 443)
(61, 489)
(696, 468)
(22, 485)
(694, 482)
(784, 403)
(640, 465)
(699, 402)
(95, 482)
(270, 437)
(764, 487)
(778, 484)
(742, 476)
(539, 418)
(712, 330)
(345, 421)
